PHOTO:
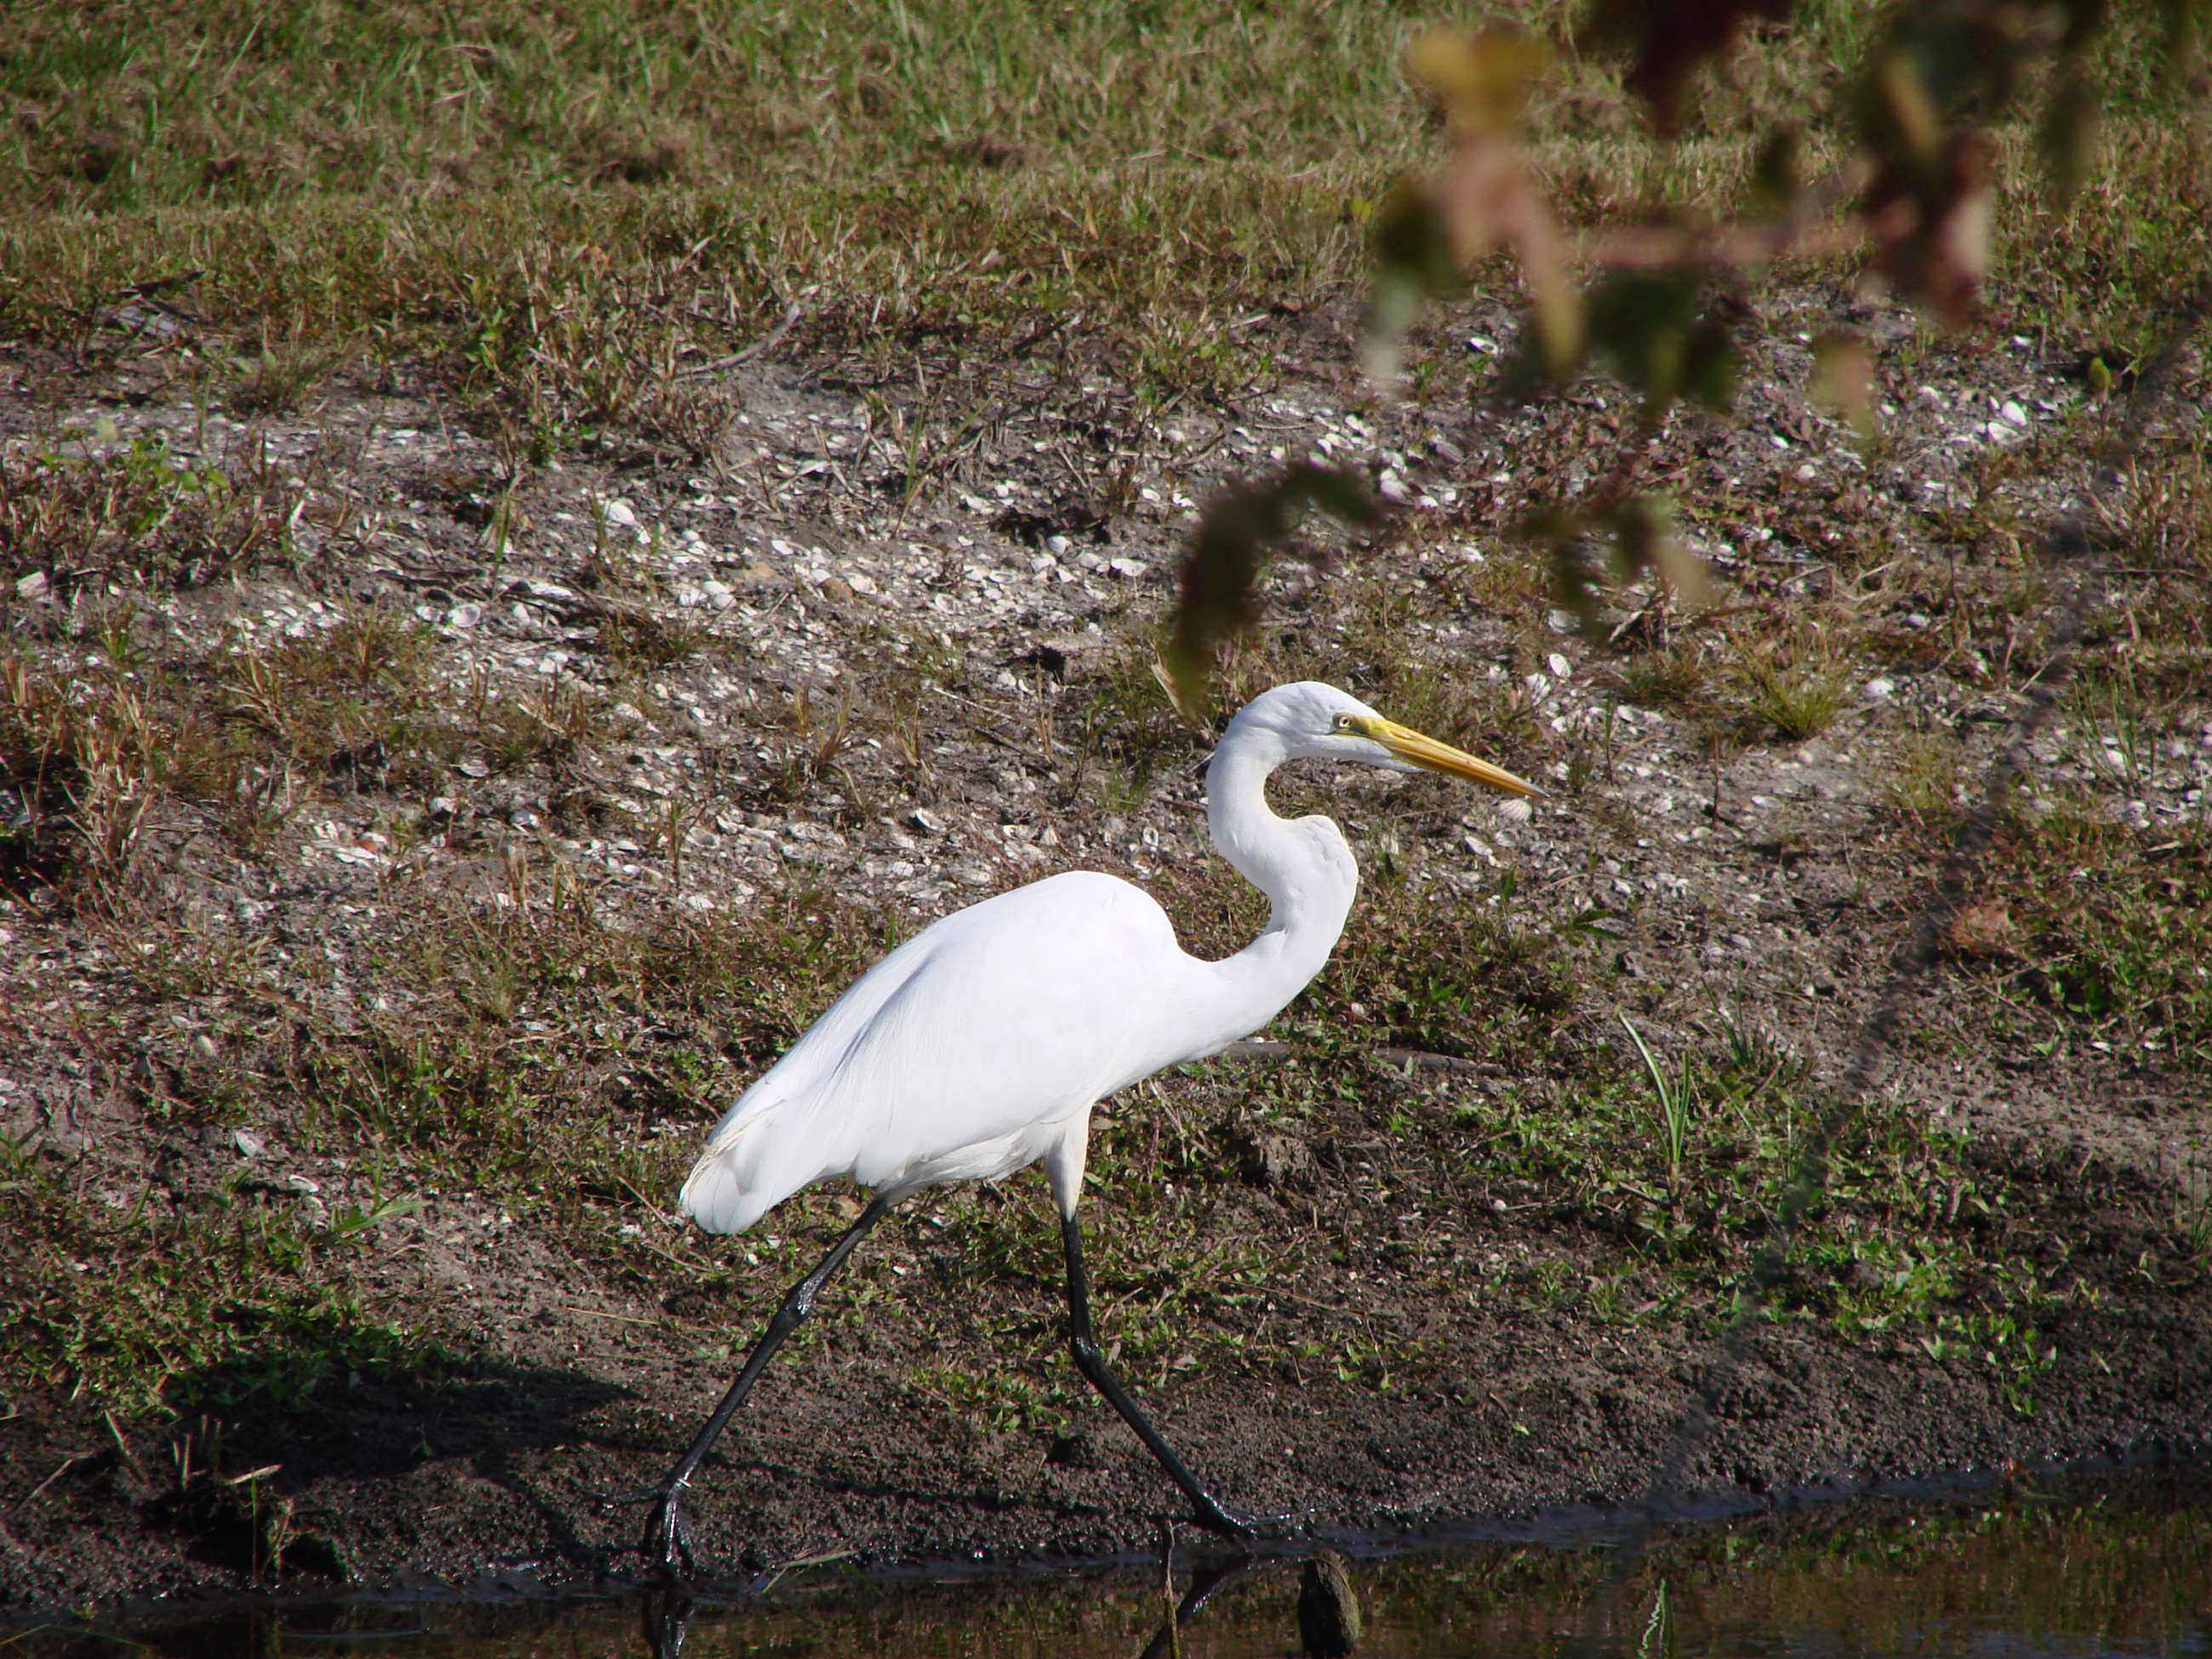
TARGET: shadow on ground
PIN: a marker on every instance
(271, 1454)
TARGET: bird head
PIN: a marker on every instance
(1311, 720)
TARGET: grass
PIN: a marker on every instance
(351, 700)
(509, 1041)
(559, 1122)
(576, 96)
(94, 510)
(1673, 1105)
(1185, 1282)
(2093, 933)
(1674, 675)
(224, 1300)
(252, 731)
(557, 210)
(478, 1085)
(1794, 702)
(2111, 935)
(559, 227)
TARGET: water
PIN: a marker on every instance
(2070, 1570)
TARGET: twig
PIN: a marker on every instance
(68, 1463)
(766, 341)
(1423, 1059)
(600, 1313)
(1258, 1049)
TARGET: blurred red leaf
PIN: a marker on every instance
(1666, 39)
(1931, 227)
(1479, 79)
(1482, 198)
(2068, 133)
(1843, 378)
(1637, 533)
(1242, 529)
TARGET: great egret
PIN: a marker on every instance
(980, 1046)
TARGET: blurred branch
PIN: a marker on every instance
(1655, 308)
(1244, 527)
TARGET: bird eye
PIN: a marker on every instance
(1343, 722)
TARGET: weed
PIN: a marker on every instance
(351, 701)
(633, 641)
(1922, 780)
(2192, 1210)
(2110, 936)
(1001, 1400)
(1674, 1102)
(1675, 676)
(91, 512)
(1796, 701)
(2016, 1353)
(79, 774)
(551, 724)
(223, 1300)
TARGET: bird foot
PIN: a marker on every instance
(667, 1541)
(1235, 1523)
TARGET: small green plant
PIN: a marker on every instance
(1001, 1400)
(1674, 1102)
(1798, 701)
(2017, 1352)
(366, 1218)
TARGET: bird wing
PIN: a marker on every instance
(1014, 1013)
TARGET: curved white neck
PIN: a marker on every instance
(1304, 866)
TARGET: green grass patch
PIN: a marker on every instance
(557, 210)
(156, 1306)
(2114, 934)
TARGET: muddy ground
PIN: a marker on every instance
(691, 739)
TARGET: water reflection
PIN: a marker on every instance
(2122, 1570)
(1329, 1620)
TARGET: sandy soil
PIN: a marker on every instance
(1769, 877)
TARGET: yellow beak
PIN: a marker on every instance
(1426, 752)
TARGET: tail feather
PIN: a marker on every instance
(715, 1197)
(736, 1182)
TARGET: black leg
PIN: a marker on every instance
(1084, 1343)
(667, 1615)
(667, 1532)
(1204, 1581)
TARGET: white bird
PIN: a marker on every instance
(981, 1045)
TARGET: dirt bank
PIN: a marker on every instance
(420, 849)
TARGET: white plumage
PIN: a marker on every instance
(963, 1055)
(980, 1046)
